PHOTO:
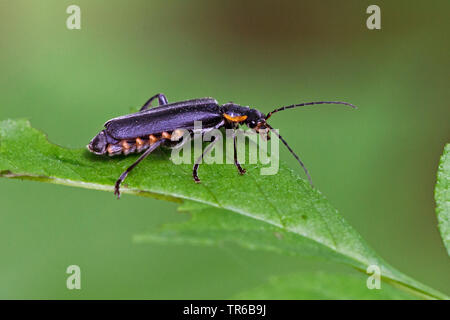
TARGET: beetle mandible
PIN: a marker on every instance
(150, 128)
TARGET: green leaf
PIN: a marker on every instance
(282, 202)
(217, 227)
(442, 196)
(323, 286)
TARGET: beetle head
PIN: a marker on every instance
(98, 144)
(255, 119)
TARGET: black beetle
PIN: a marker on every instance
(150, 128)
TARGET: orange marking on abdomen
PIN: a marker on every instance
(125, 144)
(152, 139)
(139, 142)
(114, 149)
(109, 149)
(166, 135)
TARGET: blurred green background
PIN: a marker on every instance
(377, 165)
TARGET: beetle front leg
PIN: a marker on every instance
(126, 172)
(236, 162)
(197, 163)
(162, 100)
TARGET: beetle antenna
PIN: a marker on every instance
(293, 153)
(308, 104)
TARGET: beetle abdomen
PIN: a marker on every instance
(139, 144)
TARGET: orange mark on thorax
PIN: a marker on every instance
(234, 119)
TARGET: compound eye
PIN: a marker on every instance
(252, 124)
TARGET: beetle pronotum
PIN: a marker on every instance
(149, 129)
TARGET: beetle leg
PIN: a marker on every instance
(236, 162)
(126, 172)
(197, 163)
(162, 100)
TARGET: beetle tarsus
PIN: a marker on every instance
(117, 189)
(236, 162)
(195, 174)
(242, 171)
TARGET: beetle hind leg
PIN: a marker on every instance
(126, 172)
(162, 100)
